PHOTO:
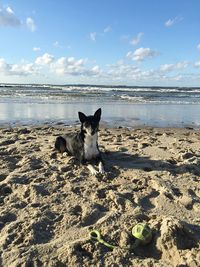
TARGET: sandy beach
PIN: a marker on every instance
(49, 204)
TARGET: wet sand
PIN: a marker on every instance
(48, 203)
(113, 113)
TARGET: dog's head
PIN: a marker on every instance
(90, 124)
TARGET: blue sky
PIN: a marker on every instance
(146, 42)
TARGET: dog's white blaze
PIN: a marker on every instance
(90, 146)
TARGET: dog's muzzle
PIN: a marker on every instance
(93, 132)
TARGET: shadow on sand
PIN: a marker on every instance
(124, 160)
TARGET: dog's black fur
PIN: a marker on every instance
(83, 145)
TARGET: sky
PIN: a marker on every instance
(111, 42)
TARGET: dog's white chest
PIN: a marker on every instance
(90, 146)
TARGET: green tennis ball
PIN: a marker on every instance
(142, 232)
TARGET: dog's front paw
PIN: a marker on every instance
(101, 168)
(102, 171)
(92, 170)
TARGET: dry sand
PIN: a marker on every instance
(48, 203)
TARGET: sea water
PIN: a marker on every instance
(121, 105)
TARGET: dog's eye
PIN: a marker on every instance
(93, 124)
(87, 124)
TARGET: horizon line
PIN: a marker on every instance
(101, 85)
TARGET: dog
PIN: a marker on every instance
(84, 144)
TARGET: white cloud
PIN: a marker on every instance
(36, 49)
(4, 67)
(107, 29)
(177, 77)
(8, 18)
(93, 36)
(57, 44)
(71, 67)
(15, 69)
(22, 70)
(171, 22)
(141, 54)
(96, 70)
(68, 65)
(197, 64)
(137, 39)
(122, 70)
(172, 67)
(9, 10)
(130, 73)
(198, 46)
(46, 59)
(30, 24)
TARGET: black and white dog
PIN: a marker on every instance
(84, 145)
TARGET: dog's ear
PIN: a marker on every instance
(82, 117)
(97, 114)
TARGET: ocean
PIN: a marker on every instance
(121, 105)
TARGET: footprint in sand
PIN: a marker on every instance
(190, 200)
(3, 177)
(42, 230)
(30, 163)
(38, 230)
(148, 202)
(9, 226)
(5, 190)
(10, 162)
(7, 142)
(91, 214)
(76, 210)
(7, 218)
